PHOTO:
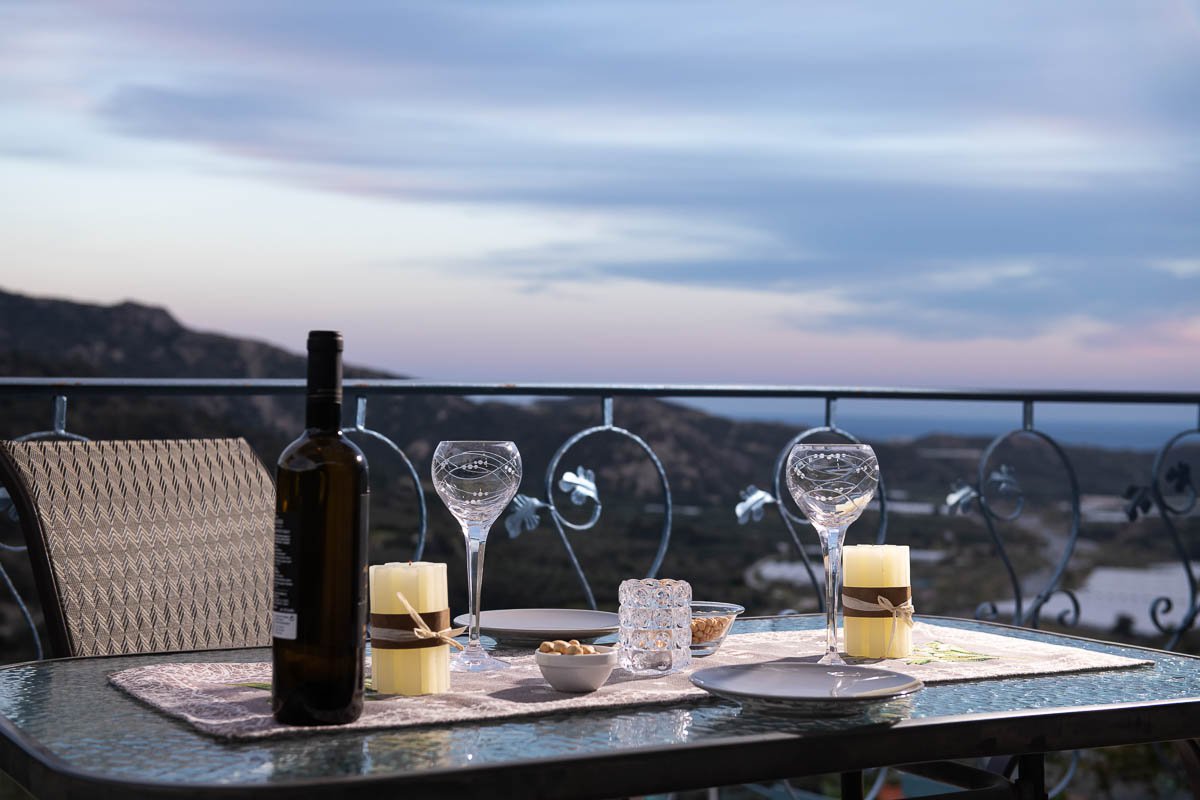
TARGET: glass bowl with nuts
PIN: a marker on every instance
(710, 624)
(569, 666)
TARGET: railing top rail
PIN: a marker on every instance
(289, 386)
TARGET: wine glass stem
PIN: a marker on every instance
(476, 539)
(831, 548)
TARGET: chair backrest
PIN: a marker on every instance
(146, 546)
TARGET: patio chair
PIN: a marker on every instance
(146, 546)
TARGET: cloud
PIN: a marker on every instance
(1179, 267)
(982, 175)
(584, 102)
(972, 277)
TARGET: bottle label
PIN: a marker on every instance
(284, 621)
(283, 625)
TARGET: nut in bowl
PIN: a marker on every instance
(569, 667)
(710, 624)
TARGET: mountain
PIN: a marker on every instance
(708, 461)
(133, 340)
(60, 338)
(52, 337)
(708, 458)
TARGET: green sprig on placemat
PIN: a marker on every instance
(930, 652)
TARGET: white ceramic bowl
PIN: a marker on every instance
(583, 673)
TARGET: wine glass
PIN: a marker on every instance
(476, 481)
(832, 483)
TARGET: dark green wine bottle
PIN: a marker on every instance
(319, 610)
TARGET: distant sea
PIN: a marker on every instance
(1115, 427)
(1117, 435)
(1129, 427)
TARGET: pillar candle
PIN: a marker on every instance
(876, 567)
(416, 670)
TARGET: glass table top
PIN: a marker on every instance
(68, 708)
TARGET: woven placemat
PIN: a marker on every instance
(232, 701)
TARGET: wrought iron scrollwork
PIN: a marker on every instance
(1001, 483)
(581, 489)
(58, 431)
(1140, 501)
(754, 502)
(753, 505)
(360, 426)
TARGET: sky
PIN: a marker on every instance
(991, 194)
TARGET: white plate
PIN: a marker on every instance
(535, 625)
(803, 687)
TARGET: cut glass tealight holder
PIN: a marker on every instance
(655, 625)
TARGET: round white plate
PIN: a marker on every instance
(803, 687)
(535, 625)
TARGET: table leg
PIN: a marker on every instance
(1189, 751)
(1031, 776)
(11, 790)
(852, 786)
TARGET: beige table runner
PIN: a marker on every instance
(231, 700)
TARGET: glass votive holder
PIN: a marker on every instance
(710, 625)
(655, 633)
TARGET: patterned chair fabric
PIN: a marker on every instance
(146, 546)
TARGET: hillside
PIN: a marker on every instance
(708, 460)
(45, 337)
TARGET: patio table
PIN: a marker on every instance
(66, 732)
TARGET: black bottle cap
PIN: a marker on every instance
(324, 341)
(325, 366)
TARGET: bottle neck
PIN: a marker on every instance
(323, 409)
(323, 414)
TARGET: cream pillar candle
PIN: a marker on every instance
(875, 632)
(411, 667)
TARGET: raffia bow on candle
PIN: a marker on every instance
(420, 632)
(882, 607)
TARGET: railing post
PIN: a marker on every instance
(360, 412)
(60, 414)
(830, 412)
(1027, 415)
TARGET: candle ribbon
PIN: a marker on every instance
(420, 632)
(899, 612)
(904, 612)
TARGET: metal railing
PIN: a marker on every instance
(581, 489)
(995, 492)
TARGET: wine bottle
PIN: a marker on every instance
(318, 623)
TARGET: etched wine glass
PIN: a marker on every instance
(476, 481)
(832, 484)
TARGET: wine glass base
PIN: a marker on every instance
(476, 661)
(832, 659)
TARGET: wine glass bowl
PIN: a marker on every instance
(476, 480)
(832, 484)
